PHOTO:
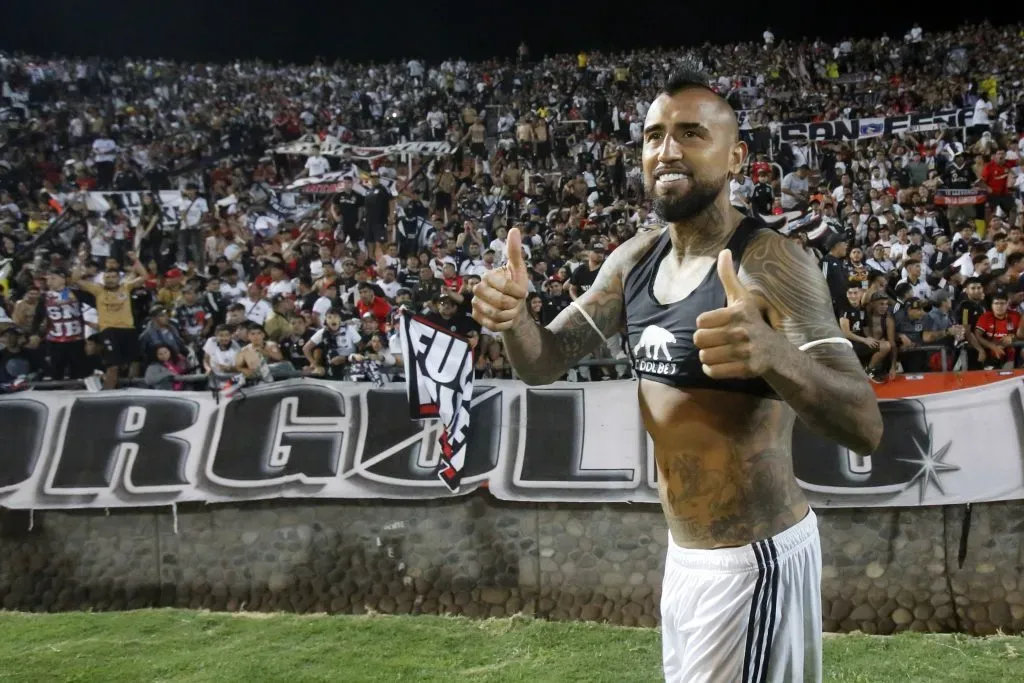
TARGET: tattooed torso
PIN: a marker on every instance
(724, 461)
(725, 472)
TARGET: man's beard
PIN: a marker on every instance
(673, 208)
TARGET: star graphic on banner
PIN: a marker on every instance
(931, 463)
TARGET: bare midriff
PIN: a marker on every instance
(725, 468)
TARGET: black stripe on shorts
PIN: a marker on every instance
(762, 620)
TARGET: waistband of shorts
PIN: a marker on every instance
(748, 557)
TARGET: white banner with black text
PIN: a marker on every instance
(330, 146)
(859, 129)
(130, 203)
(560, 443)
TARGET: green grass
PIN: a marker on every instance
(178, 645)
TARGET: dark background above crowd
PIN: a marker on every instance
(228, 30)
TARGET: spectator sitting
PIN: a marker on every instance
(220, 352)
(18, 358)
(254, 359)
(940, 329)
(160, 331)
(910, 335)
(165, 366)
(997, 329)
(371, 360)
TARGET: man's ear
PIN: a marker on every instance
(738, 157)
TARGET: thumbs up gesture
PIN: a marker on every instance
(499, 298)
(735, 342)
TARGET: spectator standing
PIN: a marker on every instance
(115, 321)
(193, 210)
(278, 324)
(584, 277)
(257, 308)
(762, 197)
(104, 155)
(376, 306)
(380, 217)
(836, 271)
(58, 318)
(795, 189)
(995, 175)
(741, 191)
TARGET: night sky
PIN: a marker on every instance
(297, 31)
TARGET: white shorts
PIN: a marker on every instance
(748, 614)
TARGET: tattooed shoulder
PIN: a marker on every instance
(603, 302)
(800, 306)
(789, 279)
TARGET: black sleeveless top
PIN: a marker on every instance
(661, 335)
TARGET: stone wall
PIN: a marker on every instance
(884, 570)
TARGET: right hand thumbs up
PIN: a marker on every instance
(514, 249)
(498, 299)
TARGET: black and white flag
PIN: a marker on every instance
(439, 373)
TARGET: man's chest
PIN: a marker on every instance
(112, 300)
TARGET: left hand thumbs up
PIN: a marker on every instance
(735, 292)
(735, 342)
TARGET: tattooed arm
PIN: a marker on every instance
(540, 355)
(825, 385)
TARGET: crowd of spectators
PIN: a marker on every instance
(251, 279)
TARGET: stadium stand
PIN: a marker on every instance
(169, 223)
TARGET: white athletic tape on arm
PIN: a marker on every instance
(586, 316)
(830, 340)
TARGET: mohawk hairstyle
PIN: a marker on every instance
(688, 74)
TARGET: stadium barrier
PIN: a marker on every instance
(559, 516)
(884, 570)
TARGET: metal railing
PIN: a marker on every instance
(944, 352)
(202, 379)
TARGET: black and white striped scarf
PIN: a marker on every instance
(439, 372)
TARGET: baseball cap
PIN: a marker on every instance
(173, 273)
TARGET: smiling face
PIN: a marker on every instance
(691, 145)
